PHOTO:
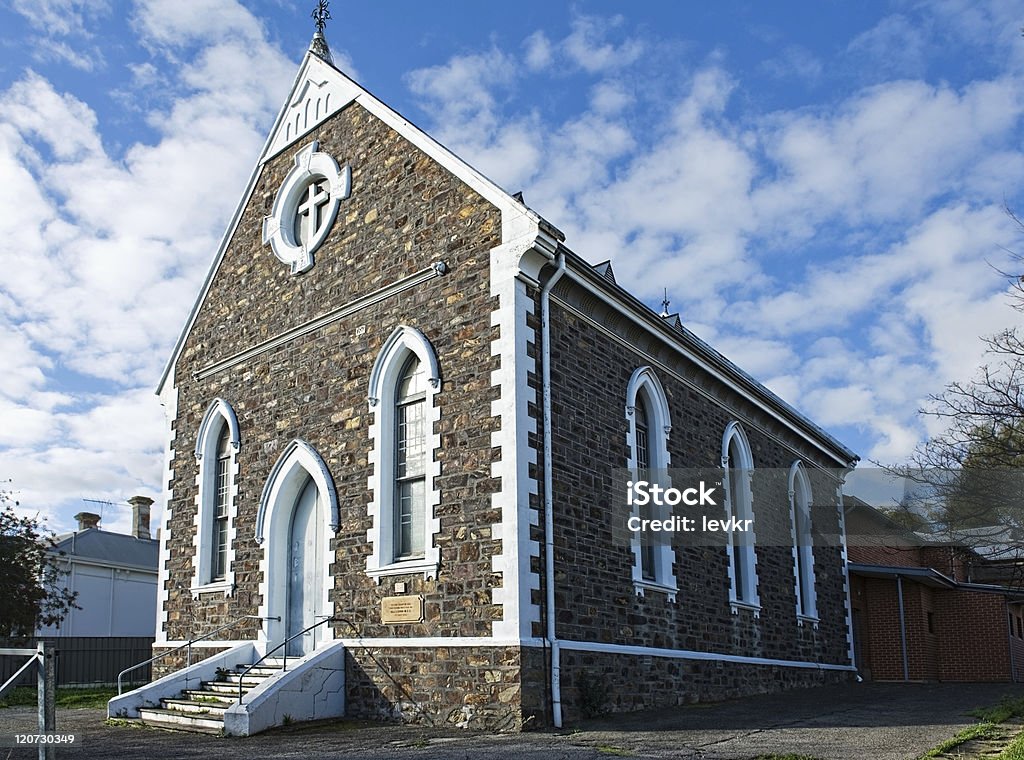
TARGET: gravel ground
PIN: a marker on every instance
(851, 722)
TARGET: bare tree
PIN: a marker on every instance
(968, 481)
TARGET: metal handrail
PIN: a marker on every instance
(188, 644)
(284, 665)
(34, 656)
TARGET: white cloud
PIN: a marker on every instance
(588, 47)
(795, 62)
(538, 51)
(108, 250)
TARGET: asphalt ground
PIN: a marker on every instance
(849, 722)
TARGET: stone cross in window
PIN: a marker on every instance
(309, 214)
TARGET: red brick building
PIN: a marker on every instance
(917, 615)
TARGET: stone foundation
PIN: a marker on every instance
(594, 683)
(468, 687)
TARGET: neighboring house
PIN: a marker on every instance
(399, 403)
(919, 613)
(113, 574)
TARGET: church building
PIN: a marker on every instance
(394, 421)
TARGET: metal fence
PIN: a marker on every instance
(88, 660)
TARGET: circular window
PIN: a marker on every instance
(305, 207)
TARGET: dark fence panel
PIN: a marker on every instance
(83, 660)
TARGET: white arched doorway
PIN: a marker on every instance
(297, 516)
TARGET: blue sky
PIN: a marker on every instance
(819, 186)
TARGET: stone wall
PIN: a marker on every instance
(595, 597)
(595, 683)
(405, 213)
(468, 687)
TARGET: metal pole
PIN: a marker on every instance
(903, 628)
(46, 686)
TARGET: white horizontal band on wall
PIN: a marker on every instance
(686, 654)
(579, 646)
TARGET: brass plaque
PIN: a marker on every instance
(401, 609)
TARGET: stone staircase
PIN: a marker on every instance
(202, 710)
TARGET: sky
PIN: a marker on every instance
(819, 186)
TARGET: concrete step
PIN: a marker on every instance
(236, 678)
(198, 695)
(260, 671)
(225, 689)
(270, 662)
(182, 721)
(196, 707)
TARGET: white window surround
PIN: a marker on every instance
(384, 377)
(218, 416)
(298, 463)
(800, 500)
(644, 387)
(741, 506)
(311, 165)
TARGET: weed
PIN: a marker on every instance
(608, 749)
(593, 691)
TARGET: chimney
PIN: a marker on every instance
(87, 520)
(140, 516)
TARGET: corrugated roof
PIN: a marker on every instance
(111, 548)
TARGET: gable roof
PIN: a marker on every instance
(109, 548)
(319, 91)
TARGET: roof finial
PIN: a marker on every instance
(665, 304)
(321, 15)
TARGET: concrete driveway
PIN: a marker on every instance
(877, 721)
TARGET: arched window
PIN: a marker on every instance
(404, 384)
(649, 425)
(803, 542)
(738, 470)
(217, 446)
(221, 503)
(410, 461)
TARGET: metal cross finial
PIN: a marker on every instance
(665, 304)
(321, 15)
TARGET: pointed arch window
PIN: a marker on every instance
(403, 392)
(222, 502)
(800, 499)
(738, 472)
(410, 461)
(649, 426)
(216, 452)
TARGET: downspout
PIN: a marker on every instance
(903, 627)
(1009, 641)
(549, 520)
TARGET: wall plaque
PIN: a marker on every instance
(401, 609)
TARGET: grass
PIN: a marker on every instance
(1014, 750)
(609, 749)
(977, 731)
(990, 717)
(25, 696)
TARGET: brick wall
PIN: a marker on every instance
(967, 641)
(974, 645)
